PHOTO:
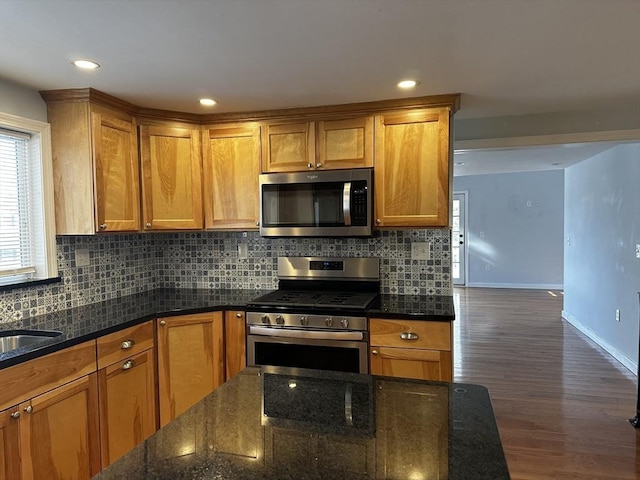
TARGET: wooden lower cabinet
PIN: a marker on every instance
(235, 343)
(411, 363)
(411, 349)
(59, 432)
(9, 444)
(127, 404)
(190, 360)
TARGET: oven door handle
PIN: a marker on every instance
(318, 335)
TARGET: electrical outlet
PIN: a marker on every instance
(637, 250)
(617, 315)
(420, 251)
(83, 258)
(243, 250)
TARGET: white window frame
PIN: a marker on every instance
(44, 238)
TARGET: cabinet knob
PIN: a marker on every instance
(148, 224)
(378, 221)
(128, 365)
(257, 224)
(127, 344)
(409, 336)
(310, 165)
(28, 409)
(374, 352)
(318, 165)
(238, 315)
(163, 322)
(103, 226)
(15, 415)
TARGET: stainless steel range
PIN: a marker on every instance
(317, 317)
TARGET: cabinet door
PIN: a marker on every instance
(411, 363)
(115, 158)
(127, 405)
(288, 147)
(412, 186)
(232, 166)
(345, 143)
(190, 361)
(171, 178)
(59, 432)
(235, 343)
(9, 444)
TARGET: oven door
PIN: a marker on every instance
(321, 350)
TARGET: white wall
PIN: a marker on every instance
(22, 101)
(515, 225)
(602, 227)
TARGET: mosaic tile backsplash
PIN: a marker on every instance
(126, 264)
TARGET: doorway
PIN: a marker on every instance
(459, 239)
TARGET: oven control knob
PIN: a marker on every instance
(328, 321)
(280, 320)
(345, 322)
(304, 320)
(265, 319)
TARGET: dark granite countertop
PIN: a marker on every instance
(414, 307)
(91, 321)
(282, 423)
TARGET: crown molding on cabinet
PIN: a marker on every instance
(300, 114)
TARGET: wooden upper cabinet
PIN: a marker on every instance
(288, 147)
(95, 168)
(345, 143)
(231, 169)
(171, 164)
(413, 161)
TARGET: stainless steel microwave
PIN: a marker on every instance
(328, 203)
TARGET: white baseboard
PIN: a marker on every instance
(610, 349)
(538, 286)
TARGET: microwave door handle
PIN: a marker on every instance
(346, 203)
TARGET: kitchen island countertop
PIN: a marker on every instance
(282, 423)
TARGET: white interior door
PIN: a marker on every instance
(459, 239)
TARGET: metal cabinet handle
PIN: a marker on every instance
(148, 224)
(238, 315)
(15, 415)
(128, 365)
(409, 336)
(310, 165)
(257, 224)
(318, 165)
(28, 409)
(374, 352)
(103, 226)
(163, 323)
(378, 221)
(127, 344)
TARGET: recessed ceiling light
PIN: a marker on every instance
(207, 102)
(459, 163)
(407, 84)
(86, 64)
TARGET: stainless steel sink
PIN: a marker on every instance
(13, 339)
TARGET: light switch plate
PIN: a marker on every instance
(83, 259)
(420, 251)
(243, 250)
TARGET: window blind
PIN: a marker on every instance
(16, 248)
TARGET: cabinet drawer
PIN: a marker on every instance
(123, 344)
(410, 334)
(39, 375)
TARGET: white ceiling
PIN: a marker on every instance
(506, 57)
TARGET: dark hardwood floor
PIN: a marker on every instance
(561, 402)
